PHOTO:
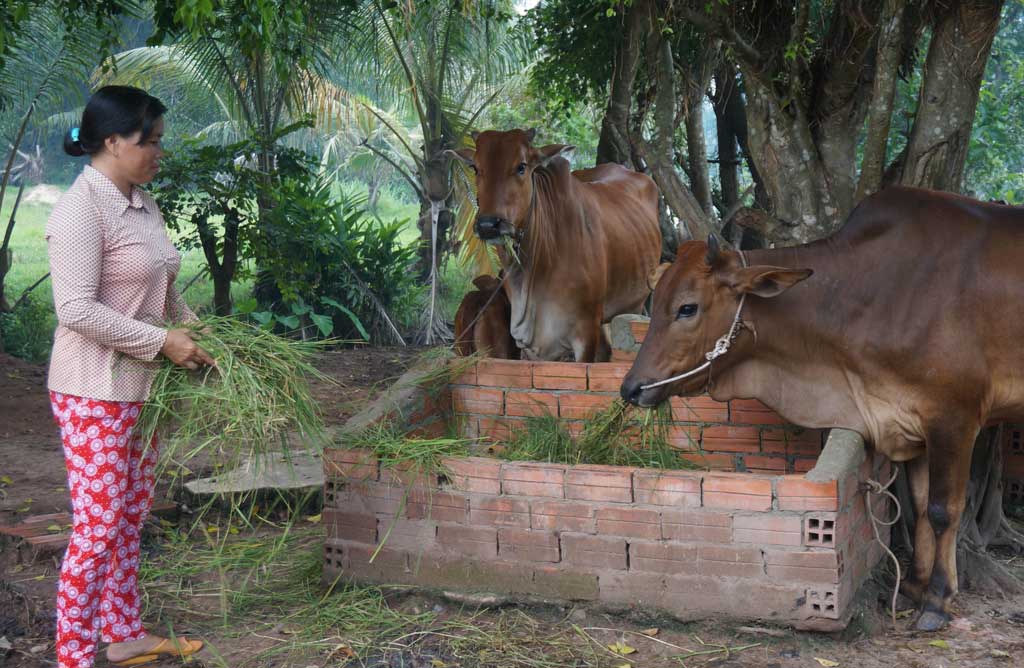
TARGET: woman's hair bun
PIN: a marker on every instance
(71, 144)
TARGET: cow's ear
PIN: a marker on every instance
(552, 151)
(474, 134)
(766, 281)
(655, 276)
(466, 155)
(530, 135)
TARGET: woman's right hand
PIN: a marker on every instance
(180, 347)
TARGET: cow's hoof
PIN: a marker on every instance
(931, 620)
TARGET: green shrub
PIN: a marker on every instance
(27, 332)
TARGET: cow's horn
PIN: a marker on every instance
(712, 256)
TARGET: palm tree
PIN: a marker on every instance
(43, 68)
(442, 62)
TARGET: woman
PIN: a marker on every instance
(113, 271)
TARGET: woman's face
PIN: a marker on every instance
(138, 163)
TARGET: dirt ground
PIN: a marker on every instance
(988, 630)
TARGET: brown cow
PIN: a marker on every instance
(584, 242)
(481, 323)
(908, 333)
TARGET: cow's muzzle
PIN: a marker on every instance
(490, 228)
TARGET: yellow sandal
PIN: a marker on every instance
(179, 647)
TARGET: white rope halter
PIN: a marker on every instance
(721, 345)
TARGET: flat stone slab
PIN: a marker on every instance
(272, 470)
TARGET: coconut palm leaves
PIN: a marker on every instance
(440, 62)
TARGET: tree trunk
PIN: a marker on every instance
(953, 71)
(890, 42)
(794, 176)
(728, 157)
(613, 145)
(659, 153)
(697, 154)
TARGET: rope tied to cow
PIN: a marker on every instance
(872, 488)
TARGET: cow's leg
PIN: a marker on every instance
(587, 338)
(949, 467)
(924, 538)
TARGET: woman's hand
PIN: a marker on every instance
(181, 348)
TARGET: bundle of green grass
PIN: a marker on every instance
(248, 405)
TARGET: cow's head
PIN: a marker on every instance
(504, 163)
(695, 301)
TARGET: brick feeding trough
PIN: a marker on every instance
(774, 528)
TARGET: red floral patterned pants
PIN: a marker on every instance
(110, 476)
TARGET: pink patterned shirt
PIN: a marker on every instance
(113, 268)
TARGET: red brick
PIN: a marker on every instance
(639, 329)
(410, 535)
(731, 439)
(765, 463)
(529, 479)
(696, 525)
(684, 437)
(635, 589)
(436, 506)
(562, 516)
(350, 464)
(803, 464)
(526, 545)
(630, 522)
(599, 483)
(667, 488)
(622, 356)
(715, 462)
(740, 491)
(407, 476)
(469, 541)
(504, 373)
(748, 405)
(797, 493)
(565, 584)
(473, 474)
(698, 409)
(559, 376)
(467, 376)
(799, 442)
(356, 527)
(663, 557)
(385, 561)
(499, 511)
(803, 566)
(531, 404)
(499, 429)
(594, 551)
(375, 499)
(768, 529)
(582, 406)
(754, 417)
(742, 562)
(607, 377)
(479, 400)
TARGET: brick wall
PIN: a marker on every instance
(692, 543)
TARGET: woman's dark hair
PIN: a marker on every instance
(114, 110)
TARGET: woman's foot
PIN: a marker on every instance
(119, 652)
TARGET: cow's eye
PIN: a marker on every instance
(687, 311)
(521, 169)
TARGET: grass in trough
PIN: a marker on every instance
(617, 436)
